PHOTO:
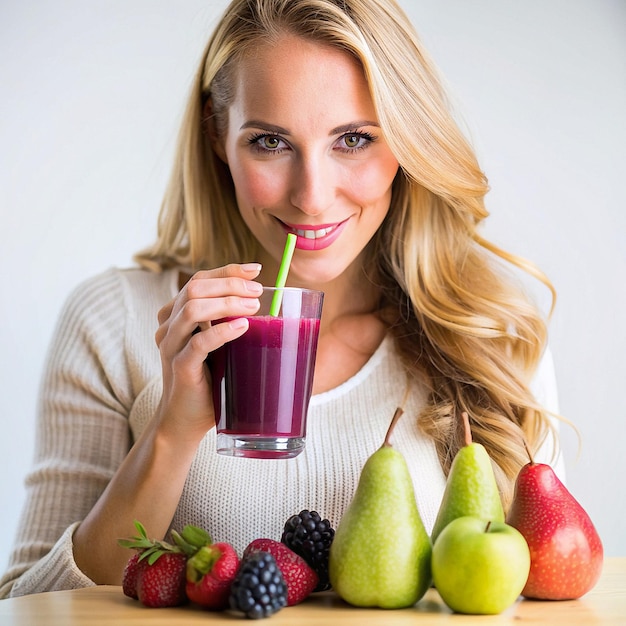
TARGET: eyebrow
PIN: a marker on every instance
(346, 128)
(279, 130)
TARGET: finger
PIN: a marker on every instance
(165, 311)
(163, 317)
(247, 271)
(205, 342)
(199, 287)
(203, 312)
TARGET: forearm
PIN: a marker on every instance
(146, 487)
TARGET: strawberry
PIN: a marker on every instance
(301, 579)
(211, 567)
(210, 573)
(131, 572)
(162, 583)
(155, 574)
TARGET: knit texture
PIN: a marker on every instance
(102, 384)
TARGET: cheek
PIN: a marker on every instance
(373, 183)
(255, 188)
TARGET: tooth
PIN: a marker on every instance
(313, 234)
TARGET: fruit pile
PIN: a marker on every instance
(269, 576)
(546, 549)
(480, 563)
(380, 554)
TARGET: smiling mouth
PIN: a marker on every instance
(318, 237)
(310, 233)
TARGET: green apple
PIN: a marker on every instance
(480, 567)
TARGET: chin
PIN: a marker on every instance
(317, 277)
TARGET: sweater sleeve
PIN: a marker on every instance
(82, 436)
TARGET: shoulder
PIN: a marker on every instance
(134, 278)
(123, 288)
(106, 330)
(109, 305)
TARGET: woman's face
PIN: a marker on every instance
(307, 156)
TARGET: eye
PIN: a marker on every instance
(266, 143)
(355, 141)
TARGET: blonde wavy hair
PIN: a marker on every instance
(456, 314)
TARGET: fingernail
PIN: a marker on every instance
(254, 287)
(251, 267)
(239, 323)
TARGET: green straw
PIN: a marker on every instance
(290, 246)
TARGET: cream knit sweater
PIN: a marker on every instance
(102, 383)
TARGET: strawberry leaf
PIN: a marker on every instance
(150, 549)
(191, 539)
(196, 536)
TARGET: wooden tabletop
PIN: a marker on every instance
(107, 606)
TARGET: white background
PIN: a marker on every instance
(91, 94)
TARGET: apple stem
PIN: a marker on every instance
(488, 526)
(466, 426)
(394, 421)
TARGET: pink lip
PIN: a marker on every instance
(304, 243)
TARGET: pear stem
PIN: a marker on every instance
(488, 526)
(530, 456)
(394, 421)
(467, 430)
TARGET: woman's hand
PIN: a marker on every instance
(188, 332)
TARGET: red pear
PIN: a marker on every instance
(566, 552)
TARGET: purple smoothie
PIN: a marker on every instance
(262, 381)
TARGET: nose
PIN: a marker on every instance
(313, 184)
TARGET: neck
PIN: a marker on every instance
(347, 294)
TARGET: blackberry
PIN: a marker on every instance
(308, 535)
(259, 589)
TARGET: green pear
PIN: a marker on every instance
(380, 555)
(471, 488)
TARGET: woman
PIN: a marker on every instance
(323, 118)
